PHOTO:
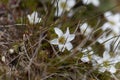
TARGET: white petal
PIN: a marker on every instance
(116, 29)
(106, 56)
(34, 15)
(85, 59)
(84, 26)
(86, 1)
(95, 57)
(29, 18)
(108, 15)
(96, 2)
(33, 18)
(106, 26)
(61, 47)
(102, 69)
(58, 12)
(67, 33)
(116, 59)
(71, 37)
(112, 69)
(68, 46)
(58, 32)
(116, 18)
(37, 20)
(70, 3)
(100, 61)
(54, 41)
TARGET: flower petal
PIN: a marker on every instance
(106, 26)
(67, 33)
(85, 29)
(58, 12)
(54, 41)
(95, 57)
(96, 2)
(34, 15)
(37, 20)
(71, 37)
(29, 18)
(58, 32)
(106, 56)
(85, 59)
(86, 1)
(112, 69)
(68, 46)
(102, 69)
(70, 3)
(61, 47)
(33, 18)
(108, 15)
(116, 18)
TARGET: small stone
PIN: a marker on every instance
(11, 51)
(3, 58)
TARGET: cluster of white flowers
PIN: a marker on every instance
(105, 63)
(113, 24)
(66, 5)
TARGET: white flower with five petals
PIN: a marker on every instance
(106, 63)
(63, 40)
(33, 18)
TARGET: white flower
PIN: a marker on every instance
(94, 2)
(63, 40)
(3, 58)
(85, 29)
(106, 63)
(33, 18)
(87, 55)
(63, 5)
(113, 22)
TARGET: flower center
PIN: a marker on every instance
(106, 63)
(112, 22)
(62, 40)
